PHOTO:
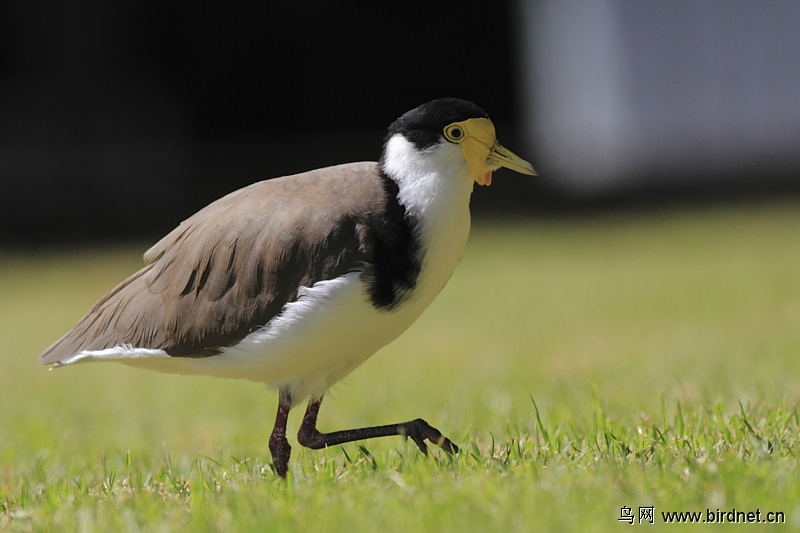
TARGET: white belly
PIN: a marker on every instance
(317, 340)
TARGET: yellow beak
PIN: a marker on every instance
(484, 154)
(506, 158)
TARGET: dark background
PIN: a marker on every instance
(119, 119)
(122, 118)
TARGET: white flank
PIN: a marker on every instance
(332, 327)
(124, 351)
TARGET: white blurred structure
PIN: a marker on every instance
(619, 92)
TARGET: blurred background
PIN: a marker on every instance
(119, 119)
(650, 271)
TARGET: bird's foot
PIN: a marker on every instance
(419, 431)
(281, 450)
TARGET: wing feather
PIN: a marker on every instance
(232, 266)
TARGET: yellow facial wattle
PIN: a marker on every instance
(482, 151)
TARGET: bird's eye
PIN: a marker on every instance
(454, 133)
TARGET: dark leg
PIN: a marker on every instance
(278, 444)
(419, 430)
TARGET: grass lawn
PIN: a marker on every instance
(582, 364)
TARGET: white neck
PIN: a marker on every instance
(429, 178)
(435, 188)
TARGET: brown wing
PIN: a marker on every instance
(232, 266)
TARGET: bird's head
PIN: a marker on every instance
(455, 128)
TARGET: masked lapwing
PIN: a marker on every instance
(296, 281)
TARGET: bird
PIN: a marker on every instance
(295, 281)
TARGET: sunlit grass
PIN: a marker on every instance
(582, 364)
